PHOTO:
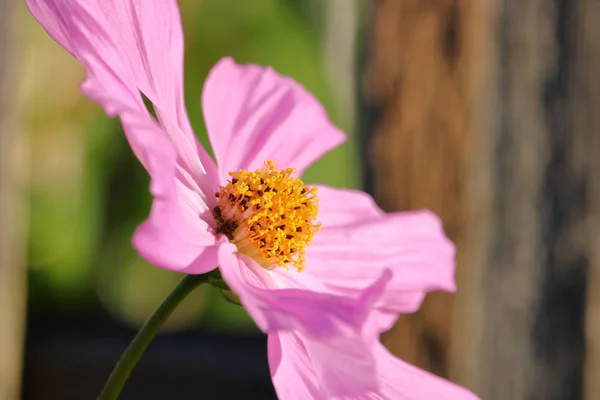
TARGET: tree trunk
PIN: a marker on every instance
(12, 273)
(485, 112)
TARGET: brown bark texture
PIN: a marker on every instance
(415, 86)
(486, 113)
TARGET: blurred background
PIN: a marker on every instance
(482, 110)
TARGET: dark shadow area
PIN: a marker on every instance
(71, 357)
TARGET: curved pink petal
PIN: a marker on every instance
(308, 369)
(402, 381)
(291, 368)
(341, 367)
(344, 365)
(105, 84)
(171, 239)
(253, 114)
(53, 16)
(140, 45)
(275, 307)
(145, 36)
(357, 241)
(168, 238)
(345, 206)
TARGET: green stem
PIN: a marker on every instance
(138, 345)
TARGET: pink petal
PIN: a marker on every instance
(53, 16)
(338, 207)
(275, 307)
(412, 245)
(291, 368)
(344, 365)
(402, 381)
(169, 238)
(146, 39)
(305, 368)
(175, 236)
(138, 46)
(253, 114)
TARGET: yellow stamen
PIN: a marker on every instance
(268, 214)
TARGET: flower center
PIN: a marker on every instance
(268, 214)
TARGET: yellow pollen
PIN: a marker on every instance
(268, 214)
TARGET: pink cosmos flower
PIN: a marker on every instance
(322, 276)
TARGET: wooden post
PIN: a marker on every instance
(12, 273)
(586, 120)
(415, 93)
(486, 111)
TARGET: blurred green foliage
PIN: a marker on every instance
(80, 239)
